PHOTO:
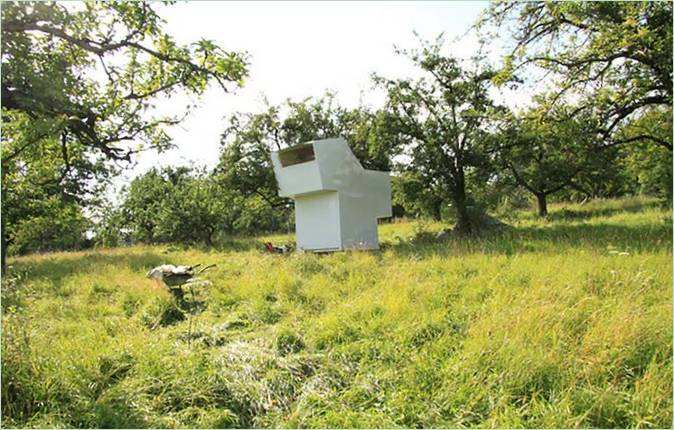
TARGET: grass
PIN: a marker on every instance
(558, 323)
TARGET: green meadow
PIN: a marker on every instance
(564, 322)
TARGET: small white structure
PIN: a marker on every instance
(337, 201)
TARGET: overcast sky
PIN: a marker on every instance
(297, 50)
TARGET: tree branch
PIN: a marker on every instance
(103, 48)
(6, 159)
(519, 179)
(655, 139)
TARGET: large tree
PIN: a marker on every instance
(84, 77)
(443, 118)
(546, 151)
(616, 57)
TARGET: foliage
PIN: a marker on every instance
(194, 210)
(557, 323)
(176, 205)
(442, 121)
(547, 151)
(603, 176)
(111, 229)
(146, 197)
(79, 81)
(40, 187)
(50, 52)
(184, 206)
(254, 216)
(615, 56)
(649, 169)
(58, 225)
(408, 191)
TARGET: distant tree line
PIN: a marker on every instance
(604, 129)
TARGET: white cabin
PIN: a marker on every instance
(337, 201)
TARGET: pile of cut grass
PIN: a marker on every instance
(558, 323)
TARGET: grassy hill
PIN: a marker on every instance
(558, 323)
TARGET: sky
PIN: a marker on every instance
(298, 50)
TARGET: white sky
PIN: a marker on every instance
(297, 50)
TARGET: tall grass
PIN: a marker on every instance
(558, 323)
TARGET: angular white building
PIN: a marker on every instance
(337, 201)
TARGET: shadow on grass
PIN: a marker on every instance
(232, 244)
(585, 213)
(554, 238)
(59, 267)
(116, 415)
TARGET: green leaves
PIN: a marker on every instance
(615, 56)
(439, 122)
(188, 206)
(77, 84)
(50, 54)
(505, 74)
(249, 138)
(546, 149)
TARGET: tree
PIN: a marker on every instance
(617, 56)
(195, 210)
(409, 191)
(172, 205)
(245, 165)
(144, 201)
(110, 227)
(547, 151)
(365, 131)
(649, 166)
(443, 117)
(37, 191)
(602, 176)
(53, 54)
(56, 224)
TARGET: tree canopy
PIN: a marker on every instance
(547, 151)
(80, 80)
(53, 51)
(248, 139)
(442, 120)
(615, 56)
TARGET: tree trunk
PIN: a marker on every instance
(437, 210)
(209, 236)
(3, 225)
(542, 205)
(463, 221)
(4, 251)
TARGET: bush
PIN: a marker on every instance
(63, 227)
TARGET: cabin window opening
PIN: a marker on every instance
(299, 155)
